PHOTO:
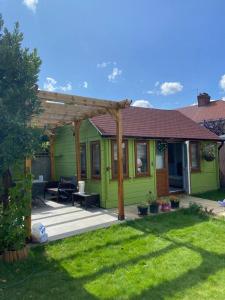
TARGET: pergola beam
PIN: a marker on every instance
(79, 100)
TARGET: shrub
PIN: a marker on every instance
(13, 229)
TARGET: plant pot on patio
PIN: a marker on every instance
(174, 202)
(154, 207)
(142, 209)
(165, 207)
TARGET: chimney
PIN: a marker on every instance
(203, 99)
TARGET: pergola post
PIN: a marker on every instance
(52, 160)
(77, 124)
(119, 138)
(116, 114)
(28, 164)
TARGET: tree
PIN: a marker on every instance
(216, 126)
(19, 70)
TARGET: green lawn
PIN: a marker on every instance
(212, 195)
(168, 256)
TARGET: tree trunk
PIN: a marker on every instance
(7, 184)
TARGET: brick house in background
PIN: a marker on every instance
(211, 114)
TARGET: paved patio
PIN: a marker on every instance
(63, 220)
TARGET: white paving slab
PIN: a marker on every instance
(64, 220)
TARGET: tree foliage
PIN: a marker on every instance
(19, 70)
(216, 126)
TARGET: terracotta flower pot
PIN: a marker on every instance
(15, 255)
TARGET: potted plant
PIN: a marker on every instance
(154, 206)
(174, 202)
(165, 206)
(142, 209)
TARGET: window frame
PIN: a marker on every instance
(147, 173)
(85, 147)
(195, 169)
(93, 176)
(125, 175)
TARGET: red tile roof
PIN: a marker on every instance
(214, 111)
(153, 123)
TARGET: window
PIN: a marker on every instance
(114, 159)
(195, 156)
(95, 160)
(160, 157)
(142, 158)
(83, 161)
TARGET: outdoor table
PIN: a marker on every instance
(86, 200)
(38, 188)
(54, 191)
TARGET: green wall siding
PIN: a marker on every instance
(64, 151)
(208, 178)
(135, 189)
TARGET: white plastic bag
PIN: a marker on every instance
(38, 233)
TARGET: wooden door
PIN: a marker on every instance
(162, 181)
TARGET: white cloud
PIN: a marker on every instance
(168, 88)
(31, 4)
(85, 84)
(222, 82)
(67, 87)
(50, 85)
(142, 103)
(156, 83)
(115, 73)
(150, 92)
(103, 64)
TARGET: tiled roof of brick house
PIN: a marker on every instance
(215, 110)
(153, 123)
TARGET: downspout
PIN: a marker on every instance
(221, 145)
(219, 173)
(188, 166)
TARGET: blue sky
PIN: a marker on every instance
(163, 52)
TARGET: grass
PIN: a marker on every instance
(168, 256)
(212, 195)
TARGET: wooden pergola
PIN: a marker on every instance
(61, 109)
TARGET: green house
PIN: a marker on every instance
(163, 152)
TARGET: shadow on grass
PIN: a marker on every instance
(41, 277)
(211, 263)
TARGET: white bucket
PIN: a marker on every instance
(81, 186)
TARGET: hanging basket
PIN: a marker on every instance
(208, 153)
(209, 156)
